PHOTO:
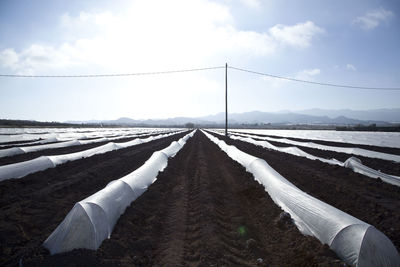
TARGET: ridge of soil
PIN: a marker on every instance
(61, 150)
(383, 149)
(204, 209)
(32, 207)
(384, 166)
(367, 199)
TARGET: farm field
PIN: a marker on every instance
(203, 209)
(384, 139)
(370, 200)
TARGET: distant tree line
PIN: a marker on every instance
(190, 125)
(370, 128)
(29, 123)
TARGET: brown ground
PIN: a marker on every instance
(384, 166)
(204, 209)
(390, 150)
(370, 200)
(61, 150)
(33, 206)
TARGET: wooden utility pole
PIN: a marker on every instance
(226, 99)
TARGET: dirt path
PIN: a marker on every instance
(33, 206)
(203, 210)
(370, 200)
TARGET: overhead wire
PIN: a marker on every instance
(200, 69)
(316, 83)
(109, 75)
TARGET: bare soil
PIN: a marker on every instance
(204, 209)
(33, 206)
(367, 199)
(384, 166)
(59, 151)
(390, 150)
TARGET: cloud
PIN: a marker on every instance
(299, 35)
(306, 74)
(351, 67)
(251, 3)
(9, 59)
(38, 57)
(176, 34)
(373, 19)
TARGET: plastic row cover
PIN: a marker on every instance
(34, 148)
(351, 163)
(92, 220)
(21, 169)
(67, 134)
(347, 150)
(353, 240)
(384, 139)
(36, 142)
(356, 165)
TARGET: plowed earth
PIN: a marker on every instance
(33, 206)
(390, 150)
(367, 199)
(385, 166)
(61, 150)
(204, 209)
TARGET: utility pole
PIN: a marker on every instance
(226, 99)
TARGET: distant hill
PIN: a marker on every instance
(387, 115)
(380, 117)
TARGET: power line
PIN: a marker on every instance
(318, 83)
(193, 70)
(109, 75)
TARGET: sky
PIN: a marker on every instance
(333, 41)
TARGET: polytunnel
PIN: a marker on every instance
(356, 165)
(353, 240)
(347, 150)
(92, 219)
(21, 169)
(352, 163)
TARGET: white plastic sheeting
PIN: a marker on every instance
(353, 240)
(385, 139)
(356, 165)
(36, 142)
(66, 134)
(347, 150)
(92, 220)
(351, 163)
(21, 169)
(27, 149)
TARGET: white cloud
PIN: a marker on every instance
(9, 59)
(299, 35)
(176, 34)
(372, 19)
(307, 74)
(251, 3)
(351, 67)
(38, 57)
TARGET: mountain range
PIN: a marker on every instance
(310, 117)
